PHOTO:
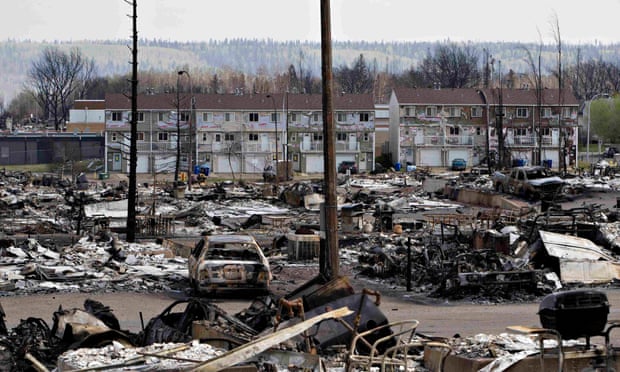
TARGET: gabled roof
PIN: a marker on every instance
(429, 96)
(527, 97)
(471, 96)
(262, 102)
(89, 104)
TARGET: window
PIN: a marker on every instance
(454, 112)
(522, 112)
(184, 116)
(140, 136)
(478, 131)
(117, 116)
(567, 112)
(207, 117)
(275, 117)
(476, 112)
(228, 116)
(293, 138)
(114, 137)
(317, 116)
(253, 137)
(229, 137)
(293, 117)
(162, 116)
(364, 116)
(455, 131)
(162, 136)
(431, 111)
(366, 137)
(204, 137)
(546, 131)
(546, 112)
(218, 137)
(341, 117)
(410, 111)
(140, 117)
(253, 116)
(520, 132)
(341, 136)
(317, 136)
(501, 112)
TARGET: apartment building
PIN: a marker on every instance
(432, 127)
(237, 133)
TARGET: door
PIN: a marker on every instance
(116, 162)
(314, 164)
(430, 158)
(143, 164)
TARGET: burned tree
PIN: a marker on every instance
(56, 78)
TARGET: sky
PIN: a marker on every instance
(284, 20)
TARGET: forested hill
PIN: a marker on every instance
(269, 57)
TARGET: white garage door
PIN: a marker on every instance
(553, 156)
(341, 158)
(458, 154)
(254, 164)
(165, 163)
(143, 164)
(314, 164)
(430, 158)
(226, 164)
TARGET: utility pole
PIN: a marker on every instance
(133, 145)
(328, 255)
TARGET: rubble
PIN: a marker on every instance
(399, 232)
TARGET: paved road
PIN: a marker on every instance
(443, 318)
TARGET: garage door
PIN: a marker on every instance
(341, 158)
(553, 156)
(143, 164)
(314, 164)
(430, 158)
(226, 164)
(165, 163)
(254, 164)
(458, 154)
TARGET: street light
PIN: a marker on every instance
(189, 129)
(588, 131)
(275, 118)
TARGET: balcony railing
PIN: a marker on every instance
(440, 140)
(521, 141)
(318, 146)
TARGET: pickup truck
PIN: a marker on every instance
(530, 182)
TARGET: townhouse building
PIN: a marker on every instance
(237, 133)
(432, 127)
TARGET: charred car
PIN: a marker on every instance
(529, 182)
(225, 263)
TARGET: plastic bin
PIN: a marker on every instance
(104, 175)
(196, 169)
(397, 167)
(548, 163)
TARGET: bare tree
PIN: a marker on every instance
(56, 78)
(451, 66)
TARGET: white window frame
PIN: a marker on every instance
(341, 117)
(522, 112)
(275, 117)
(140, 136)
(253, 137)
(476, 112)
(454, 112)
(364, 116)
(547, 112)
(293, 117)
(116, 116)
(253, 116)
(207, 117)
(162, 136)
(228, 116)
(340, 136)
(410, 111)
(229, 137)
(114, 136)
(317, 116)
(430, 111)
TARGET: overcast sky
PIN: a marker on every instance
(370, 20)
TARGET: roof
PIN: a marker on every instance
(428, 96)
(471, 96)
(89, 104)
(262, 102)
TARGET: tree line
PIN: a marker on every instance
(58, 77)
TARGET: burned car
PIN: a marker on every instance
(530, 182)
(224, 263)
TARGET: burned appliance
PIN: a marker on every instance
(575, 313)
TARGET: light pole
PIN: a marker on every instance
(178, 159)
(189, 129)
(588, 131)
(275, 118)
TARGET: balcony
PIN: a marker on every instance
(440, 140)
(521, 141)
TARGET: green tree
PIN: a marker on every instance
(605, 114)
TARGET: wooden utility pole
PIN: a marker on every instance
(328, 256)
(133, 147)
